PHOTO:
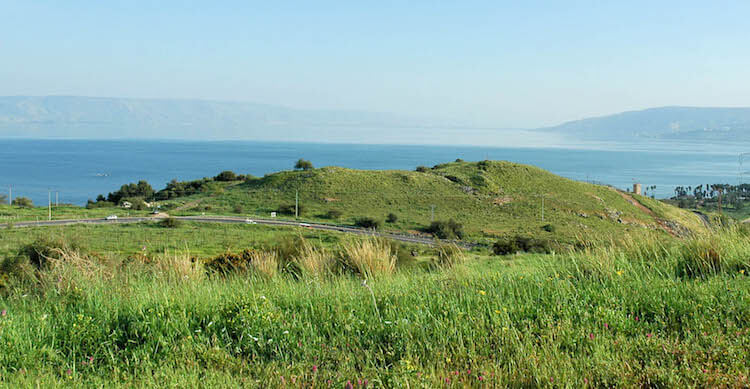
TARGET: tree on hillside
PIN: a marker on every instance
(226, 175)
(141, 189)
(303, 164)
(23, 202)
(3, 199)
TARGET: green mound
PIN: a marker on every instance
(490, 199)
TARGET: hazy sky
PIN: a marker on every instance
(495, 63)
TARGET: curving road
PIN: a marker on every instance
(239, 220)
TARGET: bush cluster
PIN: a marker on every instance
(520, 243)
(367, 222)
(446, 229)
(23, 202)
(170, 222)
(226, 176)
(230, 262)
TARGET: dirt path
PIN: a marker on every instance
(664, 226)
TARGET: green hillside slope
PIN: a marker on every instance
(490, 198)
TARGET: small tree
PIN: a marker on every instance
(367, 222)
(23, 202)
(171, 222)
(303, 164)
(392, 218)
(3, 199)
(226, 175)
(422, 169)
(446, 229)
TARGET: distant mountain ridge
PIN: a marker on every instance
(678, 123)
(108, 118)
(101, 117)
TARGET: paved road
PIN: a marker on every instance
(238, 220)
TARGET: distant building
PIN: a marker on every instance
(127, 204)
(637, 189)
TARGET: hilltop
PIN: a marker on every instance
(491, 199)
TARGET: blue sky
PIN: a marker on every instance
(489, 63)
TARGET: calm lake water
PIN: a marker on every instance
(81, 169)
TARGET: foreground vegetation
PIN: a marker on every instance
(327, 310)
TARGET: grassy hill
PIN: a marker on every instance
(490, 199)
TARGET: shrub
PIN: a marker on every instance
(367, 222)
(505, 247)
(548, 228)
(142, 189)
(237, 209)
(303, 164)
(333, 214)
(288, 209)
(226, 175)
(521, 243)
(370, 257)
(446, 229)
(56, 264)
(230, 262)
(41, 250)
(459, 160)
(170, 222)
(391, 218)
(23, 202)
(422, 169)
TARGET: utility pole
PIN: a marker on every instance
(57, 198)
(296, 204)
(542, 209)
(719, 189)
(49, 204)
(10, 194)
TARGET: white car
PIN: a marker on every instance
(250, 221)
(305, 225)
(111, 217)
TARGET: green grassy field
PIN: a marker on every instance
(199, 239)
(647, 313)
(13, 214)
(491, 199)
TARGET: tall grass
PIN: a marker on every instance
(705, 255)
(265, 263)
(370, 257)
(313, 261)
(624, 316)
